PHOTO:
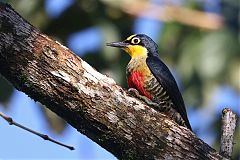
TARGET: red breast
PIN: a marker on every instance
(136, 80)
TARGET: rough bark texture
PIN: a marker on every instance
(91, 102)
(229, 120)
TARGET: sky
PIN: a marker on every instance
(19, 144)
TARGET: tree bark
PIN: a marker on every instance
(91, 102)
(229, 120)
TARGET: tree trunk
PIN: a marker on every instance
(91, 102)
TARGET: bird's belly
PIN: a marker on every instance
(154, 88)
(137, 80)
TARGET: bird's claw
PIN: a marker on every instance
(135, 93)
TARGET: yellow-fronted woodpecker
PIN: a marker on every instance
(151, 77)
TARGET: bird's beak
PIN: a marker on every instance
(118, 44)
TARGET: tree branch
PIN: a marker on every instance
(43, 136)
(229, 120)
(170, 13)
(91, 102)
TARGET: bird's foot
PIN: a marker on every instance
(161, 107)
(135, 93)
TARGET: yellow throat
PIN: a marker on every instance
(136, 51)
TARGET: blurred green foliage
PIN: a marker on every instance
(203, 59)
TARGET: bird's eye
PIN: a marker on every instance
(135, 40)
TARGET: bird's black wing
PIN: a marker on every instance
(166, 79)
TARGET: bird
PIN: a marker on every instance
(151, 78)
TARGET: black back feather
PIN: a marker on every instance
(164, 76)
(167, 81)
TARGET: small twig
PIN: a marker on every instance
(45, 137)
(229, 120)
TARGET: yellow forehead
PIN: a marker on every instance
(136, 51)
(130, 37)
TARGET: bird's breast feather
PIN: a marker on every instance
(136, 80)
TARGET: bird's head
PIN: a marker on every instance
(138, 45)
